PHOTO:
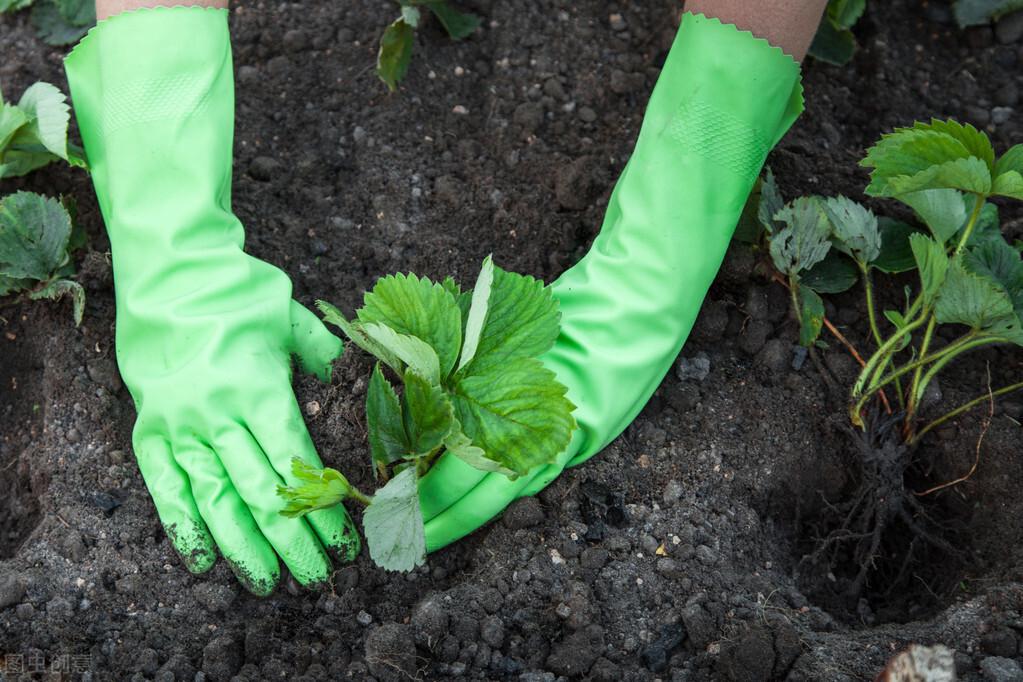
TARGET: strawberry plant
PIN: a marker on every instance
(57, 22)
(472, 385)
(398, 38)
(37, 233)
(970, 279)
(834, 41)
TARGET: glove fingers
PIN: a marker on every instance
(232, 526)
(172, 495)
(256, 483)
(282, 437)
(448, 480)
(315, 347)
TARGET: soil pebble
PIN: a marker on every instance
(523, 513)
(574, 655)
(998, 669)
(748, 659)
(391, 652)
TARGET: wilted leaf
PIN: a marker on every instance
(855, 228)
(59, 288)
(394, 526)
(770, 202)
(811, 316)
(805, 240)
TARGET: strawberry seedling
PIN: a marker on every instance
(472, 386)
(398, 38)
(970, 280)
(57, 22)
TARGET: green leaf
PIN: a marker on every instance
(976, 12)
(805, 240)
(459, 25)
(855, 229)
(517, 413)
(1011, 160)
(846, 13)
(59, 288)
(451, 286)
(771, 202)
(394, 525)
(896, 254)
(395, 53)
(926, 156)
(811, 316)
(832, 43)
(975, 141)
(428, 414)
(34, 234)
(477, 312)
(11, 120)
(968, 175)
(319, 489)
(388, 441)
(995, 260)
(833, 275)
(48, 115)
(412, 351)
(932, 263)
(943, 211)
(971, 300)
(459, 445)
(410, 15)
(417, 307)
(13, 5)
(11, 285)
(357, 335)
(522, 322)
(1008, 184)
(60, 23)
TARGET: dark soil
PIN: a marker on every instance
(675, 554)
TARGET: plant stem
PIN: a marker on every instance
(965, 407)
(358, 495)
(868, 288)
(978, 206)
(879, 360)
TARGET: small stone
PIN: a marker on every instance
(391, 653)
(1008, 95)
(429, 622)
(748, 659)
(359, 135)
(1001, 115)
(222, 658)
(523, 513)
(978, 115)
(594, 558)
(215, 598)
(104, 372)
(655, 655)
(1009, 28)
(147, 661)
(578, 184)
(460, 110)
(999, 669)
(12, 589)
(264, 168)
(528, 115)
(775, 356)
(755, 336)
(492, 631)
(668, 567)
(999, 642)
(25, 611)
(673, 492)
(574, 655)
(295, 40)
(696, 368)
(363, 618)
(617, 22)
(587, 115)
(248, 74)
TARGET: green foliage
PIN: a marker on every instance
(397, 41)
(976, 12)
(834, 42)
(35, 250)
(57, 22)
(34, 132)
(472, 385)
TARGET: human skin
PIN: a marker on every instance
(108, 8)
(789, 24)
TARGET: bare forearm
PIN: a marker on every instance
(108, 8)
(789, 24)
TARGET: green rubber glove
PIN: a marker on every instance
(205, 332)
(723, 100)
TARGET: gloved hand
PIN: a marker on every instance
(723, 100)
(205, 332)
